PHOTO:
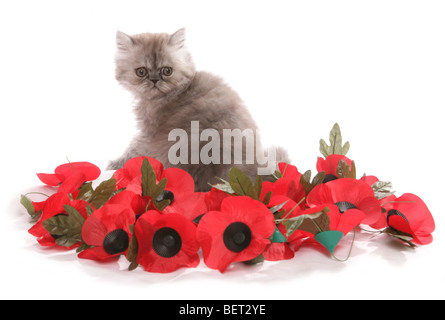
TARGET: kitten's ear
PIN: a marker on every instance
(124, 41)
(177, 39)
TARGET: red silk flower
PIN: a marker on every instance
(288, 185)
(347, 194)
(51, 207)
(239, 232)
(330, 165)
(166, 242)
(409, 214)
(62, 172)
(107, 230)
(180, 188)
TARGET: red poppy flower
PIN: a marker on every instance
(53, 206)
(166, 242)
(62, 172)
(107, 230)
(129, 176)
(214, 198)
(239, 232)
(330, 165)
(347, 194)
(410, 215)
(288, 185)
(180, 188)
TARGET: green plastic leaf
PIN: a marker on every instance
(29, 207)
(132, 251)
(346, 171)
(329, 239)
(150, 187)
(305, 180)
(336, 146)
(403, 236)
(223, 186)
(67, 228)
(313, 223)
(382, 189)
(86, 191)
(103, 193)
(242, 185)
(148, 178)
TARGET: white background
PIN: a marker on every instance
(375, 67)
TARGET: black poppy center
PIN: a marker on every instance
(394, 212)
(116, 241)
(167, 242)
(329, 177)
(166, 195)
(237, 237)
(344, 206)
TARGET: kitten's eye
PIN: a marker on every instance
(141, 72)
(166, 71)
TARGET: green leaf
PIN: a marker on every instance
(29, 207)
(278, 207)
(241, 184)
(267, 197)
(132, 251)
(313, 223)
(67, 228)
(224, 186)
(305, 180)
(382, 189)
(86, 191)
(149, 186)
(346, 171)
(336, 146)
(148, 177)
(403, 236)
(103, 193)
(257, 187)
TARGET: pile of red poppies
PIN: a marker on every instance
(154, 217)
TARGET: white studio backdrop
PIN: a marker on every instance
(375, 67)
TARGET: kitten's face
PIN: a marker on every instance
(153, 65)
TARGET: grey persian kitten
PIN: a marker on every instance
(171, 94)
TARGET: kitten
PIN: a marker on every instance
(171, 94)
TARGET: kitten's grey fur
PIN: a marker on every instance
(164, 103)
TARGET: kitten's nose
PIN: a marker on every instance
(154, 80)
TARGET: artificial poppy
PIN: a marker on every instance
(180, 188)
(166, 242)
(129, 176)
(107, 231)
(288, 185)
(62, 172)
(330, 165)
(214, 198)
(347, 194)
(52, 207)
(409, 215)
(238, 232)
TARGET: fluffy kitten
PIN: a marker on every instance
(170, 94)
